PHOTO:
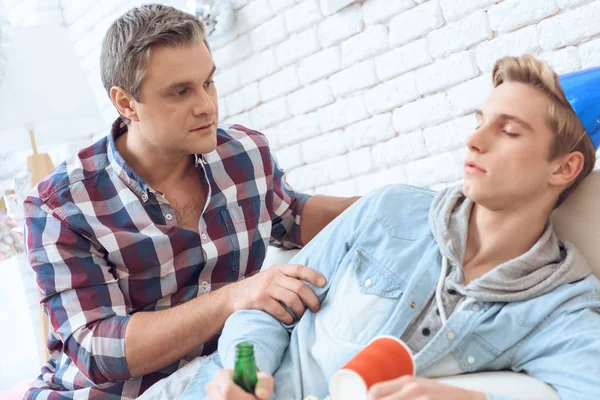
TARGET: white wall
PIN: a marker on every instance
(380, 92)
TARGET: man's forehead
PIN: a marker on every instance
(171, 64)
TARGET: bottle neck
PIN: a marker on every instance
(244, 351)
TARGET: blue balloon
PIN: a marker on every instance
(582, 89)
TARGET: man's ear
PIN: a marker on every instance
(567, 168)
(124, 102)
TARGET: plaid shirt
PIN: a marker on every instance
(104, 245)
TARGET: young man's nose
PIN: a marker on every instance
(479, 140)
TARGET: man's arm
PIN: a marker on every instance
(319, 211)
(86, 309)
(297, 217)
(90, 315)
(156, 339)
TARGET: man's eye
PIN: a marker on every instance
(208, 84)
(182, 92)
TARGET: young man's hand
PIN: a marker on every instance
(223, 388)
(415, 388)
(278, 284)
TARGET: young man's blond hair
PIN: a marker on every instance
(569, 133)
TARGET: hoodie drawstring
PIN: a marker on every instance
(438, 290)
(438, 294)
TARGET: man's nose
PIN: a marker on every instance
(204, 104)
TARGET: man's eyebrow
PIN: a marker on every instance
(212, 71)
(182, 84)
(509, 117)
(178, 85)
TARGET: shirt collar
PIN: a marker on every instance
(124, 171)
(118, 163)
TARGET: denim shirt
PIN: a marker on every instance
(381, 263)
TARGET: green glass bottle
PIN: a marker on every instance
(244, 374)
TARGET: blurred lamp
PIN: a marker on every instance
(44, 94)
(217, 16)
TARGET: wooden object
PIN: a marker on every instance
(40, 166)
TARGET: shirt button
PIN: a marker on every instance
(368, 282)
(471, 360)
(450, 335)
(413, 304)
(144, 197)
(204, 236)
(476, 307)
(204, 285)
(426, 331)
(169, 217)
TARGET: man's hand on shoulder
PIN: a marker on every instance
(280, 284)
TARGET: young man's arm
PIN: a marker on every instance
(565, 352)
(323, 254)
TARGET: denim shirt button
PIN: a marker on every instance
(450, 335)
(368, 282)
(413, 304)
(471, 360)
(476, 307)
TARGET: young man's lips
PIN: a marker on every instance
(471, 166)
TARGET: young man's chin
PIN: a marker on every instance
(472, 190)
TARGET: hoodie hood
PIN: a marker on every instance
(551, 262)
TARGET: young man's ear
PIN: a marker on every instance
(124, 102)
(567, 170)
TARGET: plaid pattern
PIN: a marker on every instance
(104, 245)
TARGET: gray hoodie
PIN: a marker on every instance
(551, 261)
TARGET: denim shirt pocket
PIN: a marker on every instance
(374, 278)
(364, 296)
(474, 353)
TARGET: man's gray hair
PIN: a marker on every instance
(128, 41)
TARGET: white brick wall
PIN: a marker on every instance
(415, 23)
(512, 14)
(378, 92)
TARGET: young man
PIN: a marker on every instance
(472, 278)
(141, 243)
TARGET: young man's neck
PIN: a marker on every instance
(158, 168)
(495, 237)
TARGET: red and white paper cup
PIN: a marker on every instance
(385, 358)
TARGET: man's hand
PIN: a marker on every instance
(278, 284)
(414, 388)
(223, 388)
